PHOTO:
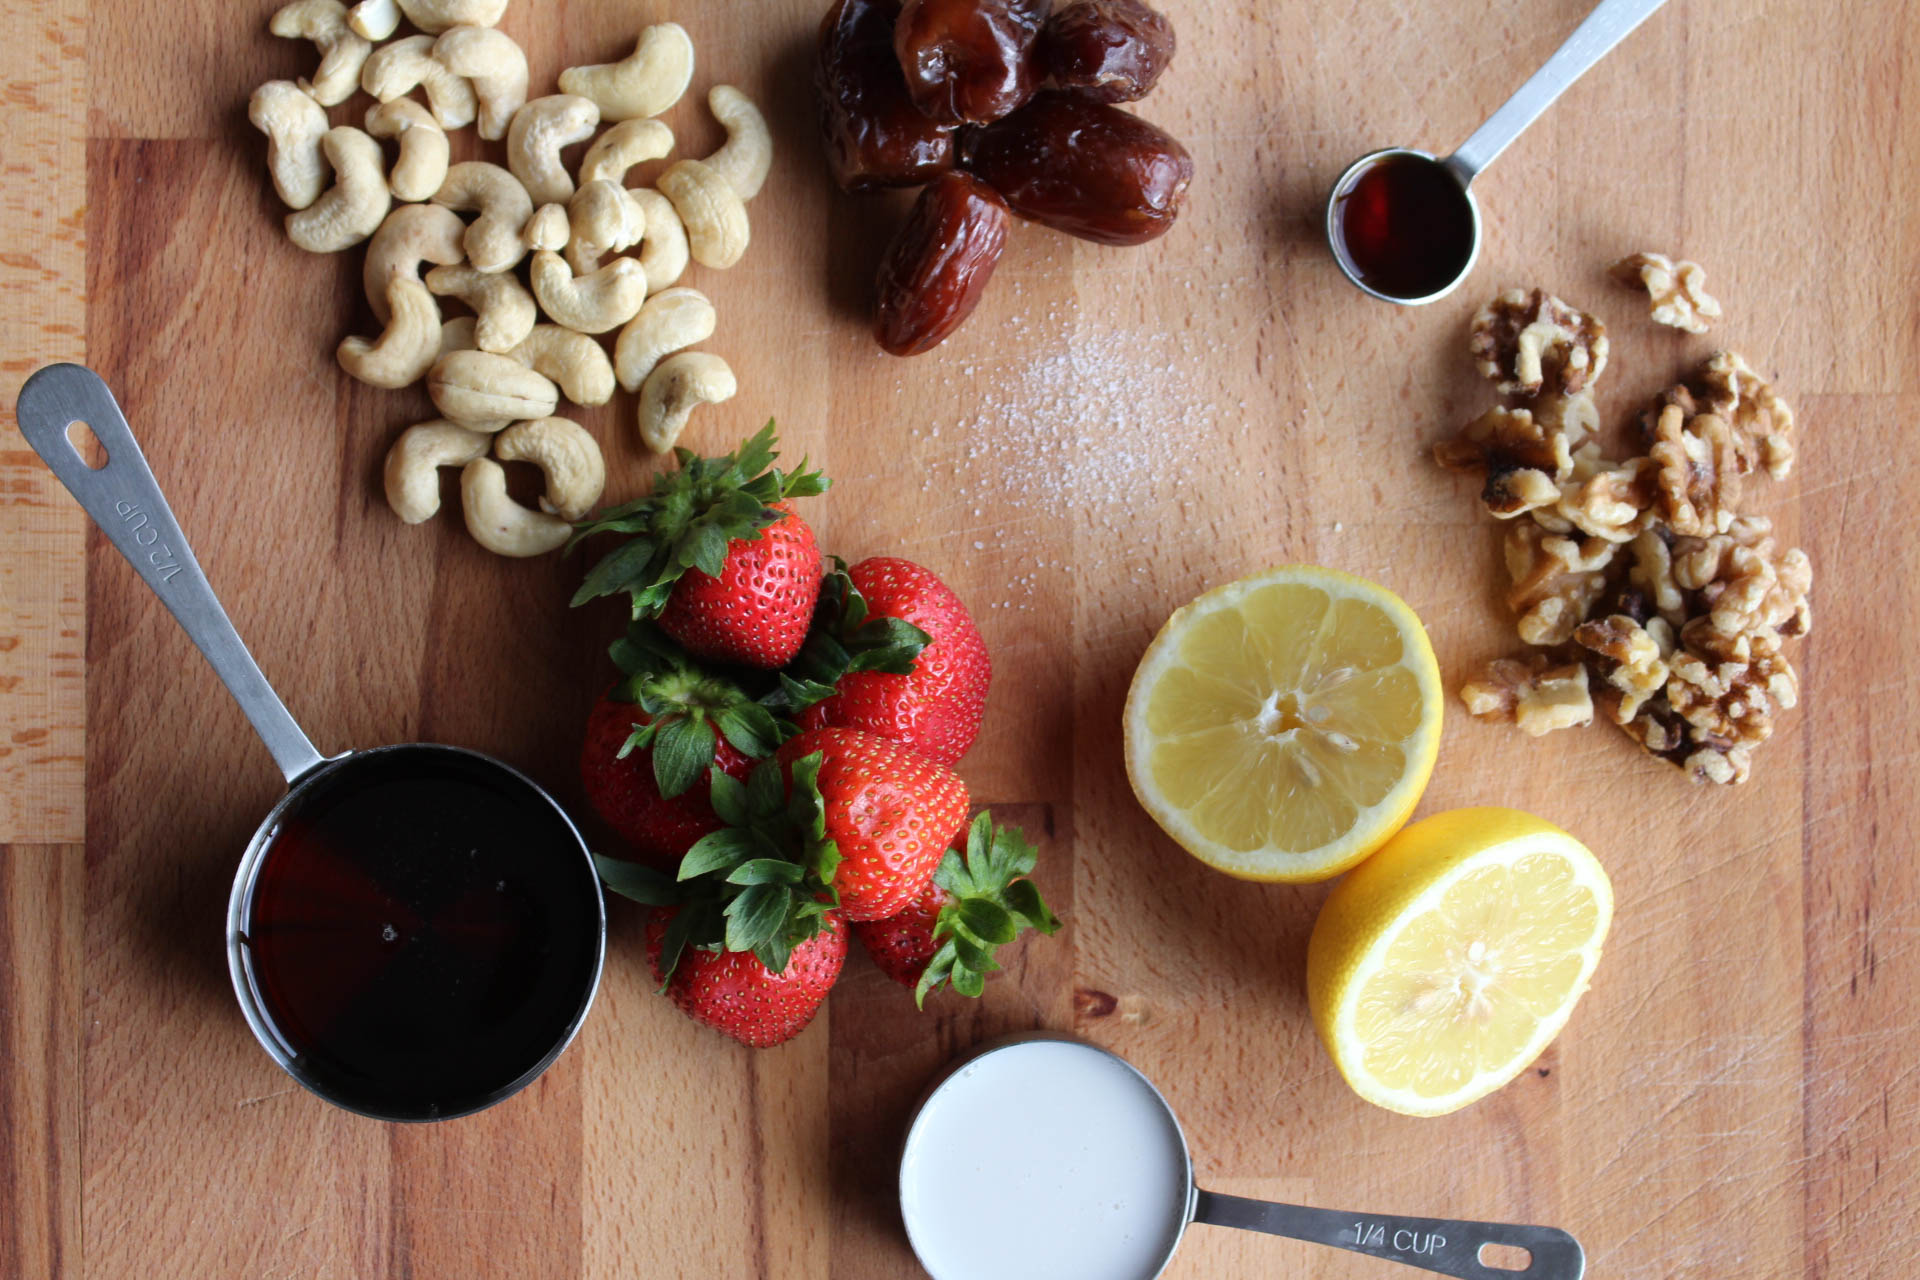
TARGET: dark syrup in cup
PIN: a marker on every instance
(1406, 226)
(420, 937)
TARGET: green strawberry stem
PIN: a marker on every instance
(686, 707)
(689, 520)
(989, 901)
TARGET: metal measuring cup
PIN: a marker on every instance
(1445, 1246)
(1609, 23)
(125, 501)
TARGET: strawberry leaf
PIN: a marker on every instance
(755, 917)
(728, 796)
(988, 903)
(716, 851)
(1023, 899)
(750, 728)
(640, 883)
(987, 920)
(682, 751)
(766, 871)
(844, 638)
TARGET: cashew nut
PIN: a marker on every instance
(669, 322)
(354, 206)
(601, 220)
(493, 240)
(744, 158)
(500, 524)
(374, 19)
(412, 234)
(575, 361)
(711, 210)
(478, 389)
(436, 16)
(294, 124)
(408, 348)
(593, 303)
(456, 335)
(625, 145)
(566, 455)
(663, 252)
(671, 391)
(494, 65)
(422, 165)
(397, 69)
(548, 228)
(414, 462)
(644, 83)
(504, 308)
(539, 131)
(342, 52)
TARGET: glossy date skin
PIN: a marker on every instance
(1083, 167)
(969, 61)
(938, 266)
(1106, 50)
(874, 135)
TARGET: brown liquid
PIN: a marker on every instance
(422, 933)
(1406, 226)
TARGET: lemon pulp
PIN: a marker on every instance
(1283, 726)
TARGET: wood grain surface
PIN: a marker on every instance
(1114, 431)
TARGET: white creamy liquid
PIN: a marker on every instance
(1047, 1160)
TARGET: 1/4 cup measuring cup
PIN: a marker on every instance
(415, 932)
(1045, 1158)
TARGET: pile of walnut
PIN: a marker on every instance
(498, 375)
(1639, 580)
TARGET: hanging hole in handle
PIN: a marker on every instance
(86, 445)
(1504, 1257)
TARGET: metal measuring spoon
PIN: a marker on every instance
(1448, 225)
(423, 1073)
(1044, 1156)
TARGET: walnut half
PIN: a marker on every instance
(1533, 693)
(1678, 289)
(1522, 338)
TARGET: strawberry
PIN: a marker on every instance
(933, 701)
(885, 810)
(756, 611)
(736, 994)
(977, 901)
(718, 556)
(653, 739)
(623, 789)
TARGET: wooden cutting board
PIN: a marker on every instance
(1114, 431)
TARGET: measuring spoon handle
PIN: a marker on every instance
(125, 501)
(1433, 1244)
(1591, 41)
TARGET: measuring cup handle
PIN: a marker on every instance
(1610, 22)
(125, 501)
(1433, 1244)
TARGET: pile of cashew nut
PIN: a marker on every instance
(599, 256)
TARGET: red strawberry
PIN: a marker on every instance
(626, 793)
(974, 903)
(935, 708)
(736, 995)
(756, 612)
(717, 555)
(887, 810)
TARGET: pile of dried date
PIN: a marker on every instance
(998, 108)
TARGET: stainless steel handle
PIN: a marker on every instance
(1432, 1244)
(125, 501)
(1591, 41)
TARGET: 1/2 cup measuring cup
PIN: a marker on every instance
(415, 932)
(1045, 1158)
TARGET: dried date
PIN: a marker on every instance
(1106, 50)
(1083, 167)
(969, 61)
(938, 266)
(874, 135)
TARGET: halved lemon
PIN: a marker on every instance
(1446, 962)
(1283, 726)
